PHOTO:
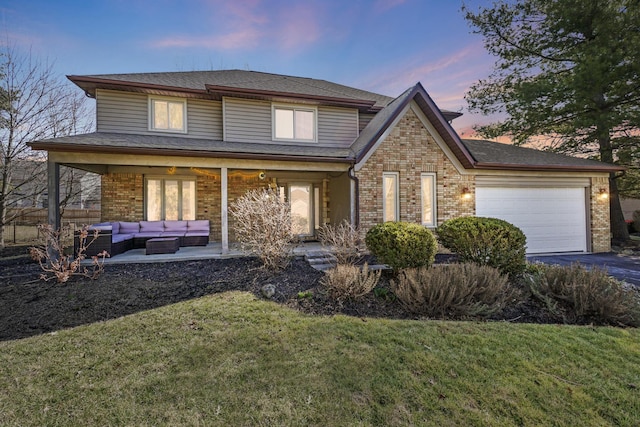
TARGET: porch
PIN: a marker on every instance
(213, 250)
(136, 188)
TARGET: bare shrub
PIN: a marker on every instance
(344, 239)
(350, 281)
(56, 261)
(583, 294)
(455, 289)
(263, 227)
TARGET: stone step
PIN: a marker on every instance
(321, 260)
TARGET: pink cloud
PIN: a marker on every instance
(298, 26)
(245, 11)
(399, 77)
(247, 24)
(384, 5)
(245, 38)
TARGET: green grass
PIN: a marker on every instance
(229, 359)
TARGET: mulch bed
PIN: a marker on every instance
(29, 306)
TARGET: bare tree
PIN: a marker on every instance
(35, 104)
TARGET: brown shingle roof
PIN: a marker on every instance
(495, 155)
(105, 142)
(234, 81)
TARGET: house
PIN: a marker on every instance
(185, 145)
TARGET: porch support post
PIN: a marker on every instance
(223, 207)
(53, 202)
(53, 194)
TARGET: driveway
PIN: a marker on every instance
(622, 267)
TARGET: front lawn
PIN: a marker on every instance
(231, 359)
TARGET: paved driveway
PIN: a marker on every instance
(622, 267)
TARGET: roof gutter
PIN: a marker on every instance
(573, 168)
(78, 80)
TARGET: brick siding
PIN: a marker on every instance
(122, 197)
(600, 225)
(410, 150)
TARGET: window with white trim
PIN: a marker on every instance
(390, 193)
(294, 123)
(428, 199)
(168, 114)
(170, 199)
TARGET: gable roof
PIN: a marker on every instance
(374, 130)
(472, 154)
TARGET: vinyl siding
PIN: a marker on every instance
(337, 126)
(250, 121)
(246, 120)
(126, 112)
(364, 120)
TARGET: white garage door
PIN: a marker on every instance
(553, 219)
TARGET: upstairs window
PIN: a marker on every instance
(167, 115)
(294, 123)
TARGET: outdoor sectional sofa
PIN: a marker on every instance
(121, 236)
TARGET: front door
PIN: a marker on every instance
(301, 200)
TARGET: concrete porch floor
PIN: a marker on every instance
(190, 253)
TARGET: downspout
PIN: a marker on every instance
(356, 203)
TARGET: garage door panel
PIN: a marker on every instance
(553, 219)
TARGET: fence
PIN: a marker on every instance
(23, 229)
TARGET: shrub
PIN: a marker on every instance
(263, 226)
(586, 295)
(344, 239)
(402, 245)
(56, 262)
(349, 281)
(485, 241)
(453, 289)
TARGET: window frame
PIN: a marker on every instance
(396, 199)
(180, 179)
(433, 201)
(171, 100)
(294, 108)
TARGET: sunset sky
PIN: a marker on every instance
(383, 46)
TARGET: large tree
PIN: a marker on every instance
(34, 104)
(567, 72)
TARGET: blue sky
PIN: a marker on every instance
(384, 46)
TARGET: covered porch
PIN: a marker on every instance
(154, 187)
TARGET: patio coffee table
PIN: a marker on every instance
(162, 245)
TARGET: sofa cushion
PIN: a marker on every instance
(151, 226)
(117, 238)
(115, 227)
(175, 226)
(102, 227)
(148, 234)
(196, 233)
(198, 225)
(129, 227)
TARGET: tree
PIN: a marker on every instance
(34, 104)
(567, 71)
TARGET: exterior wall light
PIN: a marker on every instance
(603, 194)
(466, 193)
